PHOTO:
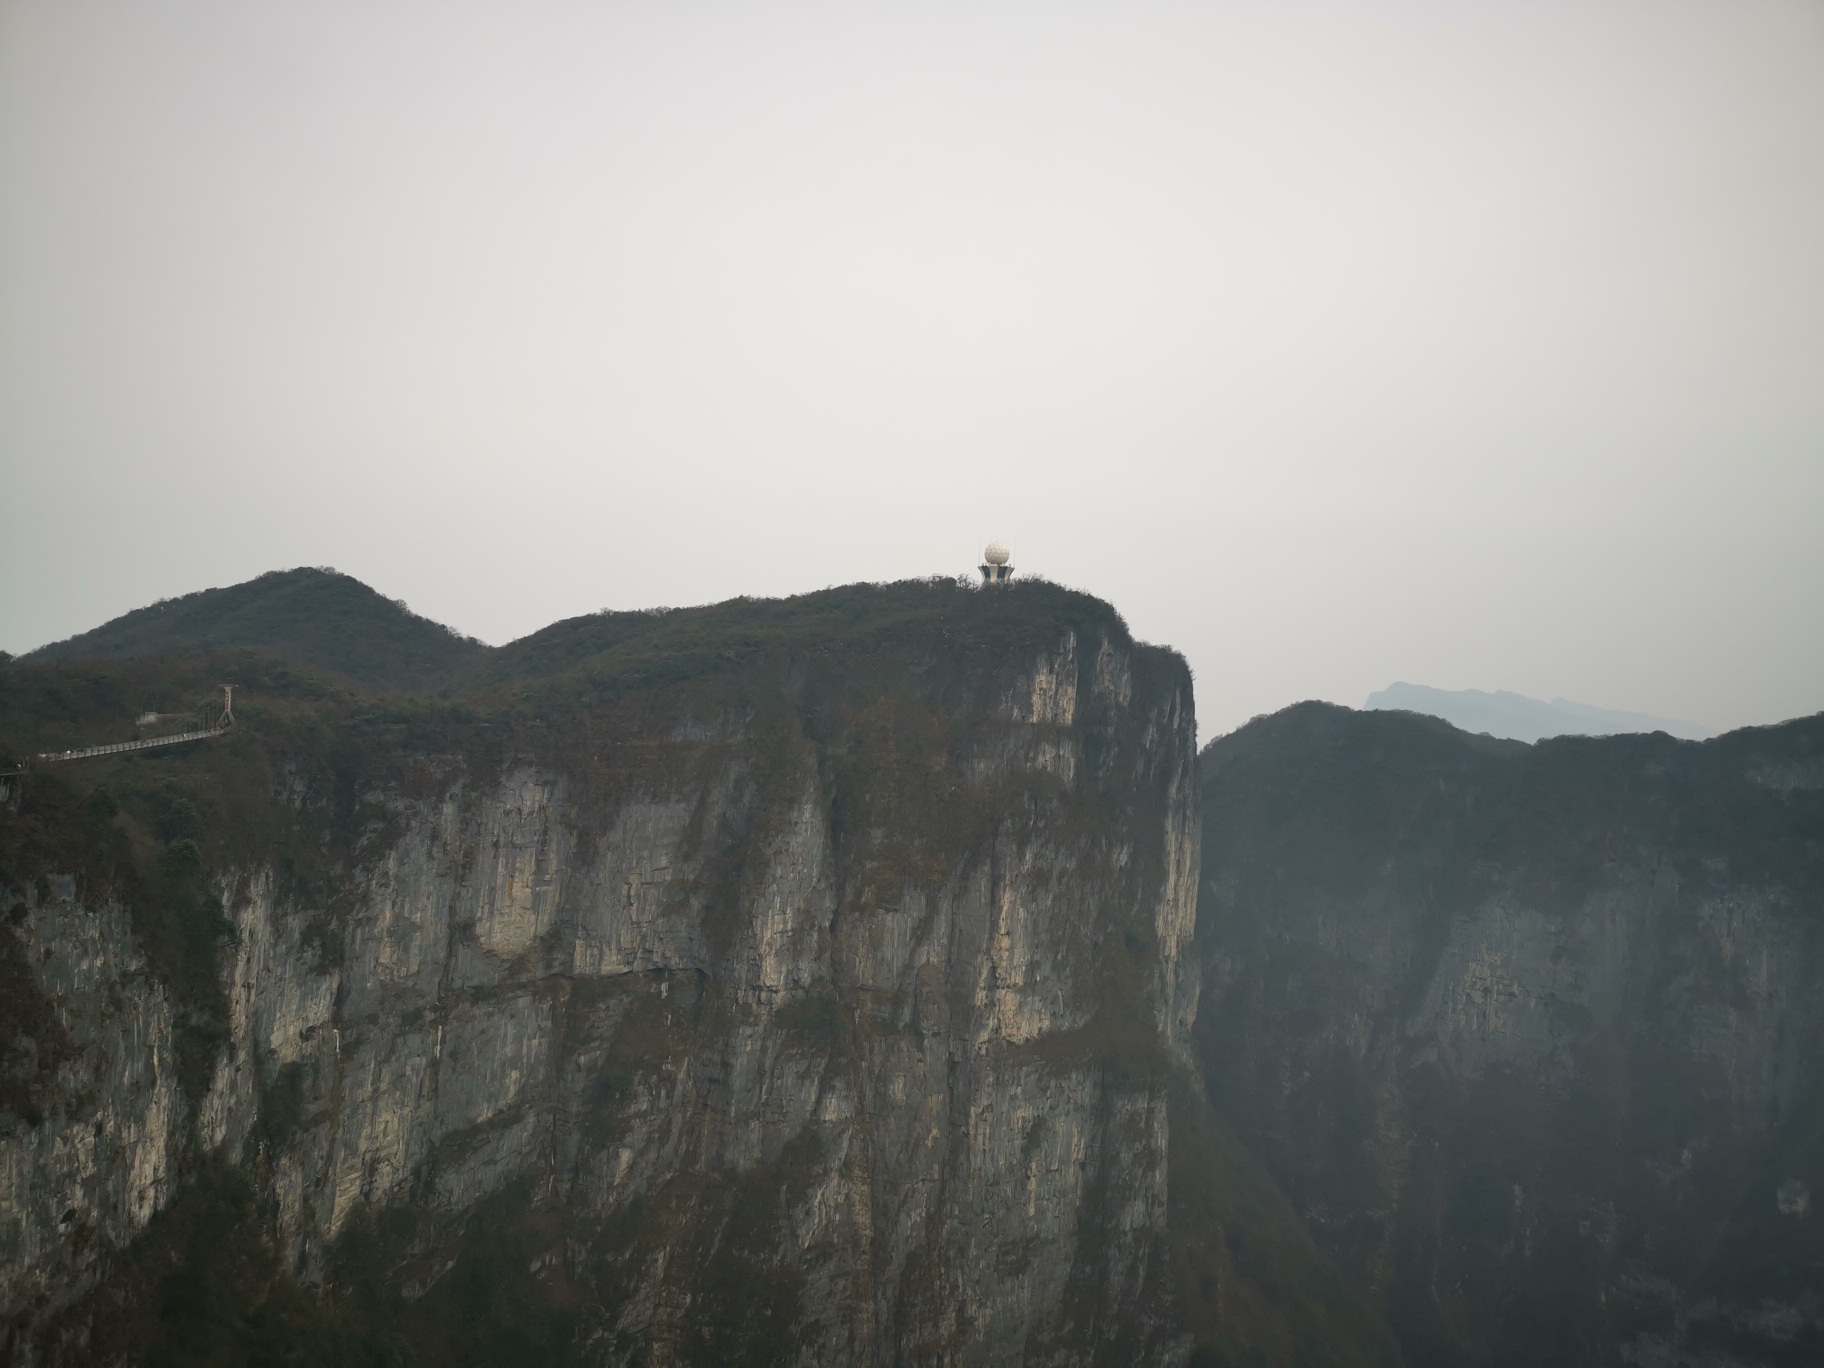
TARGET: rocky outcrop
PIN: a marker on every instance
(91, 1174)
(1530, 1035)
(815, 1026)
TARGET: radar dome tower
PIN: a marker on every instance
(995, 569)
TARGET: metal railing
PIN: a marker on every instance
(120, 746)
(217, 724)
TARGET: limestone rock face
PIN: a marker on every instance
(836, 1026)
(1532, 1036)
(92, 1173)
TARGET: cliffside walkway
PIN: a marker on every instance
(221, 723)
(120, 746)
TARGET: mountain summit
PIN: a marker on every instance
(319, 617)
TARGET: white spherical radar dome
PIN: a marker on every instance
(996, 554)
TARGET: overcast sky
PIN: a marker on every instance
(1470, 344)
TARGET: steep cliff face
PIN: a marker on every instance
(1530, 1035)
(818, 1005)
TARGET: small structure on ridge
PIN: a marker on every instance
(995, 569)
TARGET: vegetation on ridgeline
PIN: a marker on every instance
(316, 617)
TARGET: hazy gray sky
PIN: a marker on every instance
(1472, 344)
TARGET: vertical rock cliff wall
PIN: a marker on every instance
(1532, 1036)
(793, 1021)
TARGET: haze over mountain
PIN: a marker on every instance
(1335, 342)
(1519, 718)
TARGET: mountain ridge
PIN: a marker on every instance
(817, 965)
(315, 615)
(1351, 1038)
(1516, 717)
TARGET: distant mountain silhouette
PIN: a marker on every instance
(1519, 718)
(322, 618)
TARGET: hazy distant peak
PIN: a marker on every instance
(1520, 718)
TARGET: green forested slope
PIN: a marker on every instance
(320, 618)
